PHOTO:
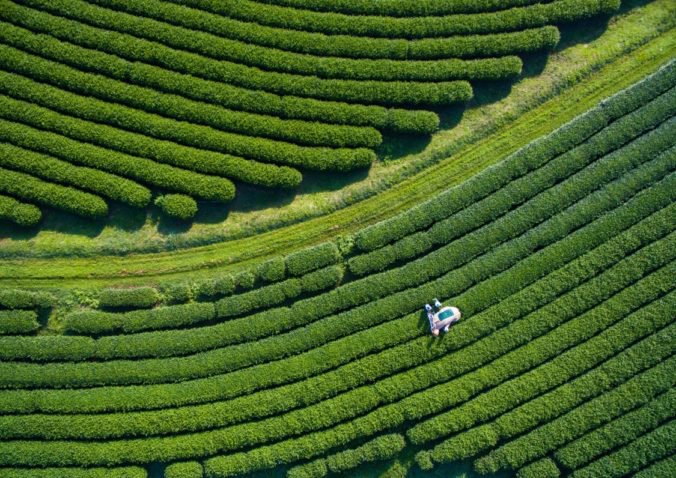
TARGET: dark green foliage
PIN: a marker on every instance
(144, 170)
(312, 258)
(229, 96)
(381, 448)
(137, 297)
(23, 299)
(14, 322)
(341, 46)
(133, 49)
(618, 432)
(32, 189)
(401, 8)
(52, 169)
(20, 213)
(531, 157)
(187, 469)
(180, 108)
(273, 60)
(126, 472)
(545, 468)
(177, 205)
(169, 152)
(420, 27)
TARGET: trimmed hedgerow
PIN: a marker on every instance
(97, 322)
(123, 472)
(177, 205)
(23, 299)
(137, 297)
(516, 165)
(186, 469)
(545, 468)
(216, 47)
(52, 169)
(18, 212)
(401, 8)
(617, 433)
(211, 92)
(272, 270)
(500, 202)
(165, 151)
(459, 46)
(378, 449)
(280, 292)
(168, 105)
(519, 281)
(161, 175)
(418, 27)
(331, 412)
(134, 49)
(14, 322)
(312, 258)
(30, 188)
(653, 446)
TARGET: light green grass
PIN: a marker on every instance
(633, 45)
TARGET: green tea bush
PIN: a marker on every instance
(141, 169)
(210, 92)
(52, 169)
(273, 60)
(417, 27)
(14, 322)
(272, 270)
(312, 258)
(378, 449)
(30, 188)
(528, 158)
(545, 468)
(134, 49)
(23, 299)
(137, 297)
(177, 205)
(18, 212)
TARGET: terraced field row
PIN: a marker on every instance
(561, 258)
(171, 102)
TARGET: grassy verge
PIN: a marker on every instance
(573, 80)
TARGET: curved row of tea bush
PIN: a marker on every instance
(460, 46)
(141, 169)
(29, 188)
(516, 165)
(13, 322)
(171, 106)
(53, 169)
(423, 270)
(618, 432)
(209, 92)
(585, 328)
(581, 268)
(273, 60)
(95, 323)
(168, 152)
(401, 8)
(391, 93)
(416, 27)
(18, 212)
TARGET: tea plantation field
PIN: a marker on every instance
(514, 158)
